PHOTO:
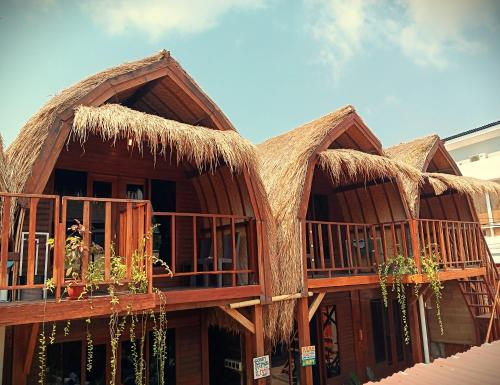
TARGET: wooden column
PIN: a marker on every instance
(357, 328)
(415, 337)
(248, 358)
(259, 337)
(304, 337)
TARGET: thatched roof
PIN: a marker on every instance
(202, 147)
(36, 130)
(345, 165)
(415, 152)
(284, 162)
(462, 184)
(283, 166)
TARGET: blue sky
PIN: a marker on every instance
(410, 67)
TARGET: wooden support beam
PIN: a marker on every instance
(259, 338)
(30, 347)
(304, 337)
(315, 304)
(240, 318)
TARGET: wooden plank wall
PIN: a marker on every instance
(342, 301)
(457, 321)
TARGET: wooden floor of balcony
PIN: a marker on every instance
(351, 282)
(17, 313)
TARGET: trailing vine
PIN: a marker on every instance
(398, 267)
(138, 283)
(431, 269)
(90, 345)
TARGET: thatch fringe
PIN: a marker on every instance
(461, 184)
(283, 166)
(3, 168)
(345, 165)
(26, 148)
(202, 147)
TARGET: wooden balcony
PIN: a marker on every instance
(344, 254)
(211, 256)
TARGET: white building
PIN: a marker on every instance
(477, 153)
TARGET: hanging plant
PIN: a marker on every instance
(430, 267)
(160, 337)
(398, 268)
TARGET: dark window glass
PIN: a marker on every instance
(135, 191)
(102, 189)
(163, 200)
(70, 183)
(377, 310)
(97, 376)
(63, 363)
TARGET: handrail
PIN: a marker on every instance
(201, 215)
(454, 244)
(493, 311)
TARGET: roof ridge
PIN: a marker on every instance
(471, 131)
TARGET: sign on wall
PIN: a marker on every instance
(308, 356)
(261, 367)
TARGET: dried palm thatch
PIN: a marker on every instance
(462, 184)
(203, 147)
(3, 168)
(284, 162)
(26, 148)
(346, 165)
(415, 152)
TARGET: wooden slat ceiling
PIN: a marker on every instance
(163, 97)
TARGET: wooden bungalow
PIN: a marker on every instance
(341, 209)
(448, 226)
(151, 167)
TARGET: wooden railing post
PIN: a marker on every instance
(149, 246)
(415, 243)
(4, 253)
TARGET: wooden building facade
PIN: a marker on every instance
(355, 208)
(269, 250)
(150, 167)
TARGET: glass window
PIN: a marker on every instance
(64, 363)
(97, 376)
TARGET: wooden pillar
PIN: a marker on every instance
(258, 338)
(24, 345)
(304, 338)
(357, 327)
(248, 358)
(415, 336)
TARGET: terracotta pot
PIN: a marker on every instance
(75, 291)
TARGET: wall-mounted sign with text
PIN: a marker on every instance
(308, 356)
(261, 367)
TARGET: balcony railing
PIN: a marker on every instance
(339, 248)
(202, 250)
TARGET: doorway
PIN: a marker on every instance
(226, 366)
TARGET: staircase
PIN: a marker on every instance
(480, 294)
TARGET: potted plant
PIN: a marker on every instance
(74, 250)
